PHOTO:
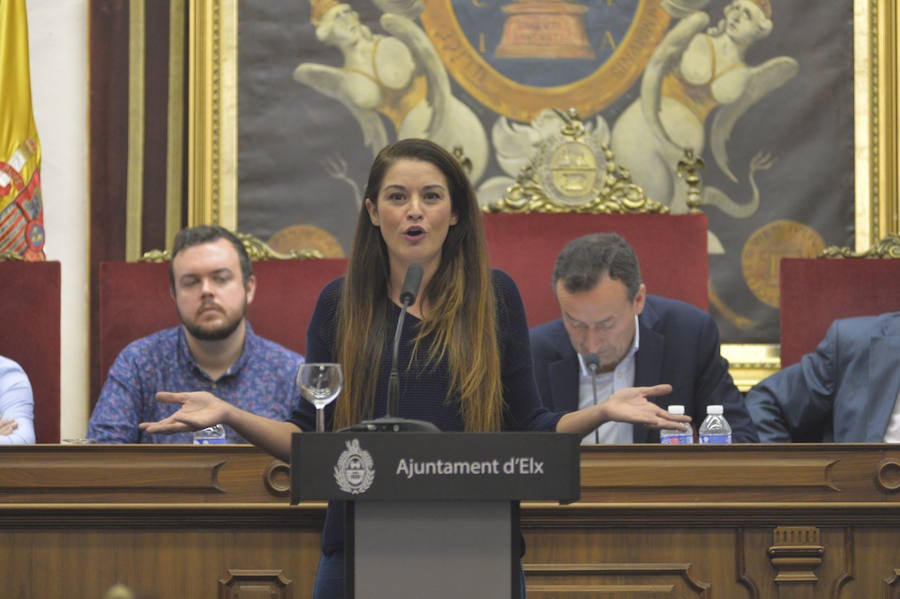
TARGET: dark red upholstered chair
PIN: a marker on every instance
(30, 335)
(672, 251)
(134, 301)
(817, 291)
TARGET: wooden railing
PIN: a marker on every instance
(755, 521)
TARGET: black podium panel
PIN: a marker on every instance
(435, 466)
(433, 514)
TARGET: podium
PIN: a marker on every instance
(434, 514)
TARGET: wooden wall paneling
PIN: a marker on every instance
(246, 584)
(184, 521)
(156, 563)
(120, 126)
(876, 559)
(108, 85)
(156, 111)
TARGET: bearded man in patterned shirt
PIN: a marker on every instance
(214, 349)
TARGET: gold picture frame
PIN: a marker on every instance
(213, 125)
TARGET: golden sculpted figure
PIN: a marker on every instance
(573, 170)
(399, 76)
(698, 74)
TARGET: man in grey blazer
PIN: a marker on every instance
(638, 340)
(846, 391)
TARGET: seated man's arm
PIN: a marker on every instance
(119, 410)
(16, 404)
(765, 402)
(796, 402)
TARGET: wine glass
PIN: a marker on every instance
(320, 383)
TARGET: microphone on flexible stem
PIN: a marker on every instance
(390, 422)
(408, 294)
(592, 361)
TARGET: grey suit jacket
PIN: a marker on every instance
(843, 392)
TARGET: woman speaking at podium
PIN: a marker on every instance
(463, 355)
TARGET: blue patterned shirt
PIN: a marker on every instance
(262, 381)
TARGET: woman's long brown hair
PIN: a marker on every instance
(462, 314)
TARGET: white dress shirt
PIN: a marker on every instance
(607, 384)
(892, 434)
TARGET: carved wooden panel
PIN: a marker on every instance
(125, 473)
(255, 584)
(796, 553)
(892, 585)
(648, 524)
(638, 581)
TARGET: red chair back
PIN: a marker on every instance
(672, 251)
(31, 336)
(817, 291)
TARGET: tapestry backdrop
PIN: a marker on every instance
(762, 89)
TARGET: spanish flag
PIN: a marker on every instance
(21, 210)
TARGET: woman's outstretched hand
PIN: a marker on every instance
(199, 409)
(625, 405)
(631, 405)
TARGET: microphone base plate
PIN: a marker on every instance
(390, 424)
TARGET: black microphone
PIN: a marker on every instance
(592, 361)
(390, 421)
(410, 288)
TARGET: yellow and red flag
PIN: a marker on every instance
(21, 209)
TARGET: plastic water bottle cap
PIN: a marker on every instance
(676, 409)
(714, 409)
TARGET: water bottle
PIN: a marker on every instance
(212, 435)
(715, 429)
(673, 436)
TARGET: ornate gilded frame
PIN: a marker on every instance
(213, 125)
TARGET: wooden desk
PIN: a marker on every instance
(173, 522)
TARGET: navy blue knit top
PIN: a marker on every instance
(423, 388)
